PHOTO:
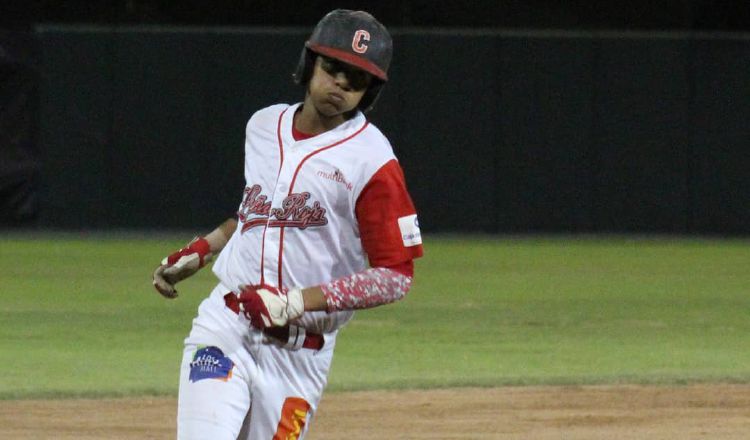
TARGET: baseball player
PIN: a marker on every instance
(325, 226)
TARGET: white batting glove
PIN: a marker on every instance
(266, 306)
(180, 265)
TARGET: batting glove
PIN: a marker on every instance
(266, 306)
(181, 265)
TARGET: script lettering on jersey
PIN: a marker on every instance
(294, 211)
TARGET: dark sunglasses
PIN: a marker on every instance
(358, 79)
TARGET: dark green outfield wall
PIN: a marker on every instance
(497, 131)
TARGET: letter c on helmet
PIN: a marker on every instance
(359, 42)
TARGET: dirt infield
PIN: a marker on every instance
(714, 412)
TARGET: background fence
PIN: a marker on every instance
(498, 131)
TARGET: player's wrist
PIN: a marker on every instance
(314, 299)
(198, 246)
(202, 247)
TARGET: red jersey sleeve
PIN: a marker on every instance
(388, 223)
(406, 268)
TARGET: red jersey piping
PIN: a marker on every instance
(294, 179)
(281, 162)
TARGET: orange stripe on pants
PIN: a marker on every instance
(293, 416)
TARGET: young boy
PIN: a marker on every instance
(324, 197)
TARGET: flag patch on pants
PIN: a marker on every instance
(210, 363)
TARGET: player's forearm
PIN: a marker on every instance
(369, 288)
(219, 237)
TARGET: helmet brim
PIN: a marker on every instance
(348, 58)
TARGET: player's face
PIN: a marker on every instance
(336, 87)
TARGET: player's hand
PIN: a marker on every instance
(266, 306)
(181, 265)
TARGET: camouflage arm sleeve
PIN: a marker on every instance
(369, 288)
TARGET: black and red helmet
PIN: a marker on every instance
(355, 38)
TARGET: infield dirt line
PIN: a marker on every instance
(717, 412)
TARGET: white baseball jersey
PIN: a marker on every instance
(312, 211)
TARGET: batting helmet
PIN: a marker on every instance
(355, 38)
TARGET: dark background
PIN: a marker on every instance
(536, 14)
(509, 117)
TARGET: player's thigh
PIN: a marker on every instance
(282, 416)
(213, 399)
(286, 396)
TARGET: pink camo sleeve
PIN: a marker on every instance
(369, 288)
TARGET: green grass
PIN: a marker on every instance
(79, 317)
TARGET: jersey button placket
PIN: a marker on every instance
(285, 175)
(273, 233)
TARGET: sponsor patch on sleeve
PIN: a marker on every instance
(210, 363)
(409, 227)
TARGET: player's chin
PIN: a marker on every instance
(332, 108)
(329, 108)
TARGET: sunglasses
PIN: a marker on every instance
(358, 79)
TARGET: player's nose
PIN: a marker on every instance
(342, 81)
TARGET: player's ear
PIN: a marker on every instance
(305, 66)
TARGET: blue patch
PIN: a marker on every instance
(210, 363)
